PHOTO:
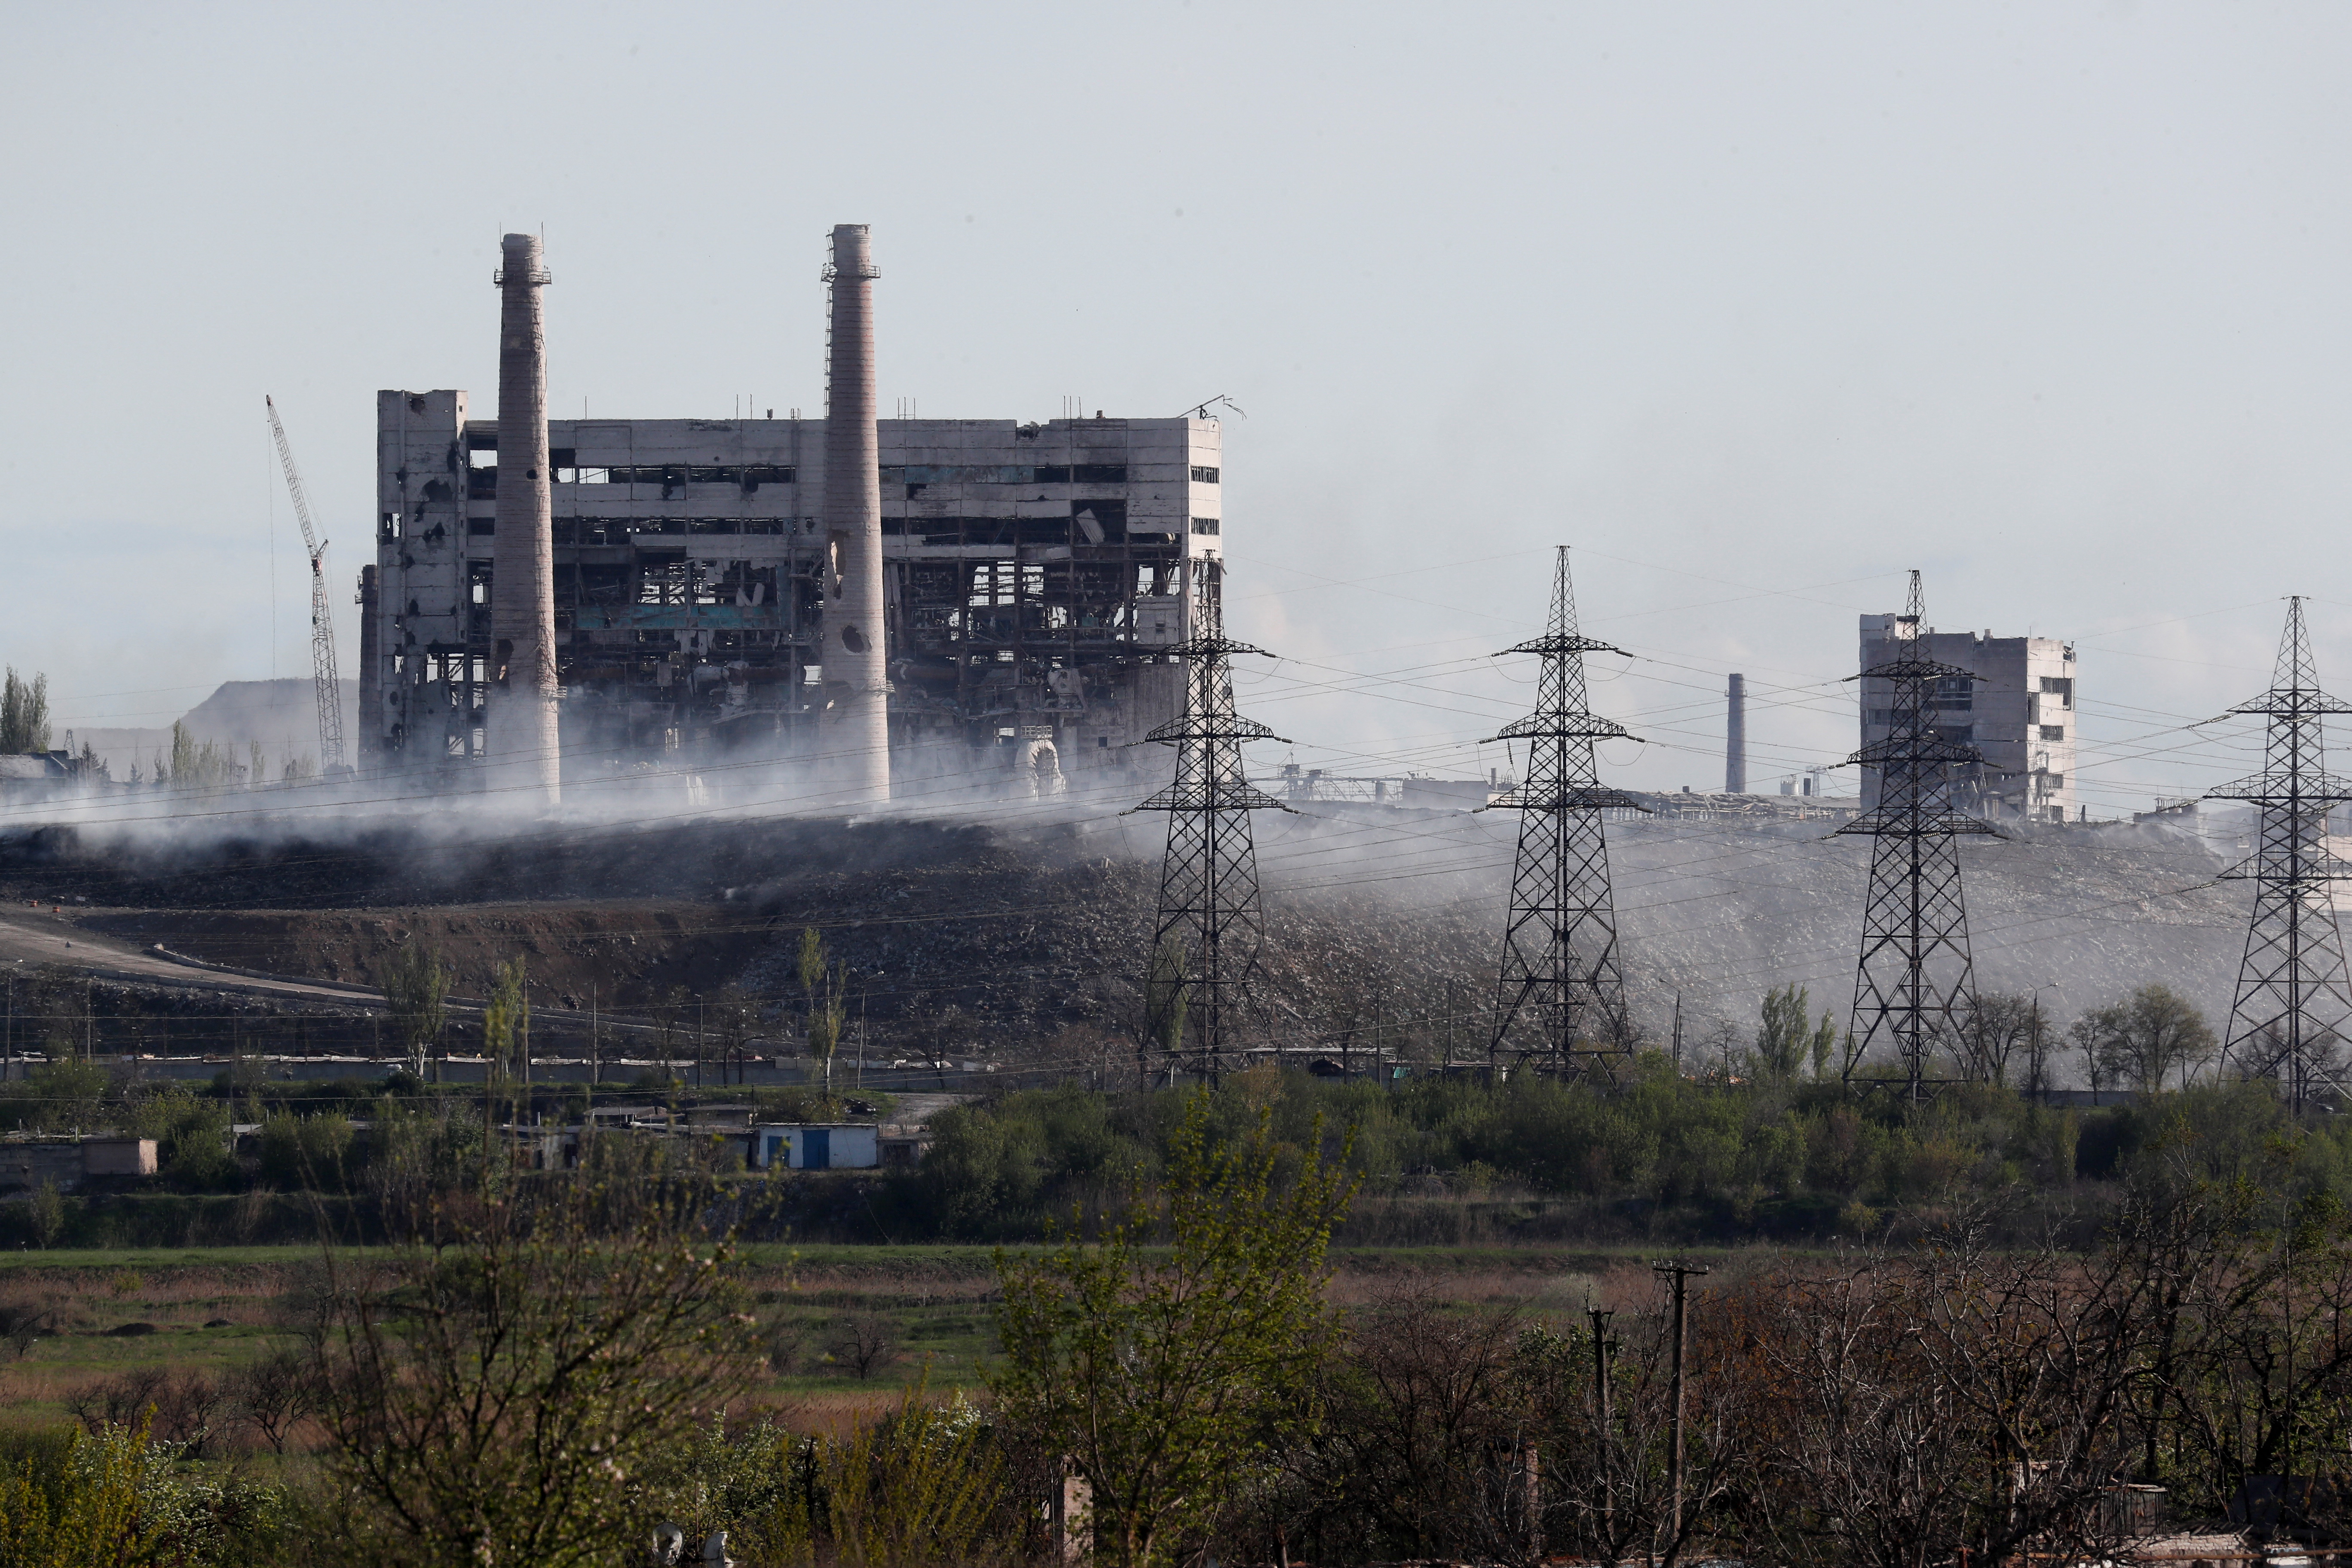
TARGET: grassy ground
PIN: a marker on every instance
(209, 1310)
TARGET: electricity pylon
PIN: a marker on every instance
(2293, 1003)
(1561, 997)
(1913, 982)
(1204, 945)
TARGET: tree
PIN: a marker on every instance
(274, 1395)
(415, 985)
(828, 1000)
(494, 1387)
(1168, 993)
(506, 1022)
(1164, 1376)
(24, 713)
(1787, 1032)
(2152, 1034)
(1824, 1043)
(1993, 1028)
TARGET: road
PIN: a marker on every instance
(30, 938)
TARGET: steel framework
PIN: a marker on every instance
(2293, 1003)
(1561, 996)
(325, 687)
(1204, 945)
(1913, 982)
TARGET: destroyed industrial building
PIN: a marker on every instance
(1028, 576)
(2014, 703)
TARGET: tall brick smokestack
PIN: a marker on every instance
(525, 763)
(853, 737)
(1735, 737)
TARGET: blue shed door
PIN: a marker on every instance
(816, 1150)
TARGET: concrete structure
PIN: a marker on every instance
(1735, 737)
(833, 1146)
(855, 731)
(368, 743)
(520, 724)
(27, 1163)
(944, 603)
(1031, 575)
(2019, 713)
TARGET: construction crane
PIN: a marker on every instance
(322, 629)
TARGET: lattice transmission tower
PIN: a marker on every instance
(1204, 945)
(1561, 999)
(1913, 982)
(2291, 1011)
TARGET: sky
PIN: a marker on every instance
(1754, 306)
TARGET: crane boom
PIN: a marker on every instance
(322, 628)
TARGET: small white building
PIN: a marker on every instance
(829, 1146)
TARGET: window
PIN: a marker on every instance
(1201, 475)
(2054, 732)
(1205, 525)
(2060, 686)
(1084, 473)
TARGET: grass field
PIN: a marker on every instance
(820, 1310)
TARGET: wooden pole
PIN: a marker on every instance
(1680, 1272)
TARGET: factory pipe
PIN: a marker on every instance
(371, 735)
(520, 732)
(854, 734)
(1735, 739)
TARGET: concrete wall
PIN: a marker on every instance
(2019, 712)
(687, 608)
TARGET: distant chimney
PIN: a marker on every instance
(1735, 739)
(854, 735)
(520, 726)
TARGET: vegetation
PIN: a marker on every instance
(414, 981)
(1163, 1376)
(24, 713)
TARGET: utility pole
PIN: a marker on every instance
(1604, 1406)
(1914, 977)
(2293, 1005)
(1204, 945)
(1680, 1272)
(1561, 993)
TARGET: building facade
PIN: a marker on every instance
(1033, 575)
(2019, 713)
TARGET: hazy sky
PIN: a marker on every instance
(1754, 305)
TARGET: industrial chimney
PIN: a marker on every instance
(371, 735)
(1735, 739)
(854, 734)
(524, 758)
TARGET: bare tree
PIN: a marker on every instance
(1994, 1029)
(275, 1394)
(865, 1344)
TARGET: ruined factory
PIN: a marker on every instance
(934, 602)
(2014, 703)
